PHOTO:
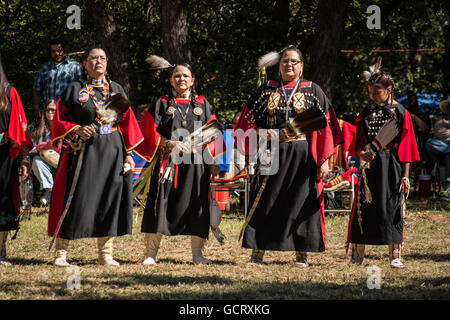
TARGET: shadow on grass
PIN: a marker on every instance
(433, 257)
(436, 288)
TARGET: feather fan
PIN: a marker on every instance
(115, 106)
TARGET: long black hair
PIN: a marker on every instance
(3, 85)
(194, 95)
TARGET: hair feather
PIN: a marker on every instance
(157, 63)
(268, 60)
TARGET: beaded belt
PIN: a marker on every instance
(106, 129)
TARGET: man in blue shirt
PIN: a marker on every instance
(54, 76)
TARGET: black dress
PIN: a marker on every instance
(180, 206)
(289, 215)
(102, 203)
(381, 218)
(8, 172)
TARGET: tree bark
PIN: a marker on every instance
(326, 44)
(116, 46)
(175, 29)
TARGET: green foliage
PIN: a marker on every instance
(226, 38)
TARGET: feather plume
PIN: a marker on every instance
(115, 106)
(312, 119)
(157, 63)
(372, 69)
(268, 60)
(387, 133)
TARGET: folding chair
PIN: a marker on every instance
(234, 174)
(342, 177)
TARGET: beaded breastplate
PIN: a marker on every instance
(377, 117)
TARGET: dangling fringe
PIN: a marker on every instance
(262, 76)
(358, 210)
(367, 193)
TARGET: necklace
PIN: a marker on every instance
(183, 116)
(105, 94)
(288, 99)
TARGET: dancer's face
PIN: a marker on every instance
(291, 66)
(379, 95)
(182, 79)
(96, 63)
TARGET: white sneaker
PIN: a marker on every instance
(149, 261)
(107, 260)
(396, 263)
(199, 259)
(4, 262)
(301, 259)
(61, 262)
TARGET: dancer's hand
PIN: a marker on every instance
(322, 171)
(85, 132)
(366, 155)
(214, 169)
(404, 185)
(129, 164)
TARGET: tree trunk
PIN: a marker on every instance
(326, 44)
(175, 29)
(116, 46)
(414, 58)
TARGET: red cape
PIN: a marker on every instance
(322, 144)
(17, 130)
(64, 125)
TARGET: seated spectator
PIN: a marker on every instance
(41, 135)
(439, 145)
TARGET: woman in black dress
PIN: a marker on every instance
(290, 213)
(178, 206)
(102, 203)
(379, 220)
(13, 140)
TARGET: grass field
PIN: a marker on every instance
(329, 276)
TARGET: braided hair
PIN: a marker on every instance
(193, 97)
(383, 80)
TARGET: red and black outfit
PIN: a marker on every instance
(290, 213)
(381, 218)
(102, 202)
(13, 127)
(178, 206)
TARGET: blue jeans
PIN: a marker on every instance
(440, 152)
(43, 172)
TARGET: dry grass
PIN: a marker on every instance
(329, 276)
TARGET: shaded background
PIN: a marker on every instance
(223, 40)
